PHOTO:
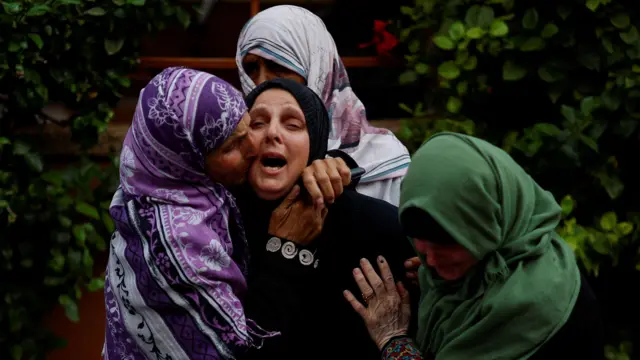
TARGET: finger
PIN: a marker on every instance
(412, 263)
(355, 304)
(310, 183)
(372, 277)
(404, 294)
(385, 272)
(344, 171)
(411, 274)
(335, 178)
(324, 213)
(363, 285)
(291, 197)
(323, 180)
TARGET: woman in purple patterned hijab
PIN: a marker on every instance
(178, 260)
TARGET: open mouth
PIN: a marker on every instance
(273, 161)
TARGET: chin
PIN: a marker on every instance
(270, 193)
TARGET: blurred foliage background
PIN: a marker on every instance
(74, 55)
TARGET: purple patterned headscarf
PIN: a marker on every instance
(178, 258)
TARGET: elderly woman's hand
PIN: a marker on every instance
(388, 309)
(325, 179)
(296, 220)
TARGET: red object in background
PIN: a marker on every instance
(382, 39)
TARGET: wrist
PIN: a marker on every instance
(384, 341)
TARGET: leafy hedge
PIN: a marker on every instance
(53, 219)
(556, 84)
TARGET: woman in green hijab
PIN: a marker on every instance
(497, 281)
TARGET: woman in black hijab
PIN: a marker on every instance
(296, 286)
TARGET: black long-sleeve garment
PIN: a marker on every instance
(305, 303)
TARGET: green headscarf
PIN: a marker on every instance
(525, 285)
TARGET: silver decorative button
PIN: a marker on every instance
(274, 244)
(289, 250)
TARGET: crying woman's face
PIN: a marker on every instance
(279, 129)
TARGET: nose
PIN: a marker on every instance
(425, 249)
(263, 74)
(273, 132)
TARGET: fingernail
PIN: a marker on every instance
(363, 261)
(381, 259)
(356, 271)
(407, 263)
(320, 201)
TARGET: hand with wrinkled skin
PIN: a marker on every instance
(389, 308)
(325, 179)
(297, 220)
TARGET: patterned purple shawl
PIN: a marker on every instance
(178, 258)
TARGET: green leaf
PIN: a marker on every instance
(569, 113)
(611, 100)
(631, 36)
(593, 4)
(547, 129)
(136, 2)
(406, 10)
(38, 10)
(549, 30)
(590, 60)
(448, 70)
(475, 33)
(113, 46)
(587, 105)
(95, 284)
(567, 205)
(12, 7)
(34, 160)
(16, 352)
(479, 16)
(462, 87)
(406, 108)
(513, 72)
(608, 221)
(591, 143)
(183, 17)
(422, 68)
(36, 40)
(414, 46)
(96, 11)
(456, 31)
(454, 104)
(14, 46)
(563, 11)
(471, 63)
(530, 19)
(70, 307)
(443, 42)
(408, 77)
(87, 210)
(533, 44)
(549, 75)
(620, 20)
(624, 228)
(498, 28)
(80, 234)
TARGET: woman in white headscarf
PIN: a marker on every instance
(292, 42)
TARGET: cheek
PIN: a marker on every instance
(298, 145)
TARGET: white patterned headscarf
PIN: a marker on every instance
(297, 39)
